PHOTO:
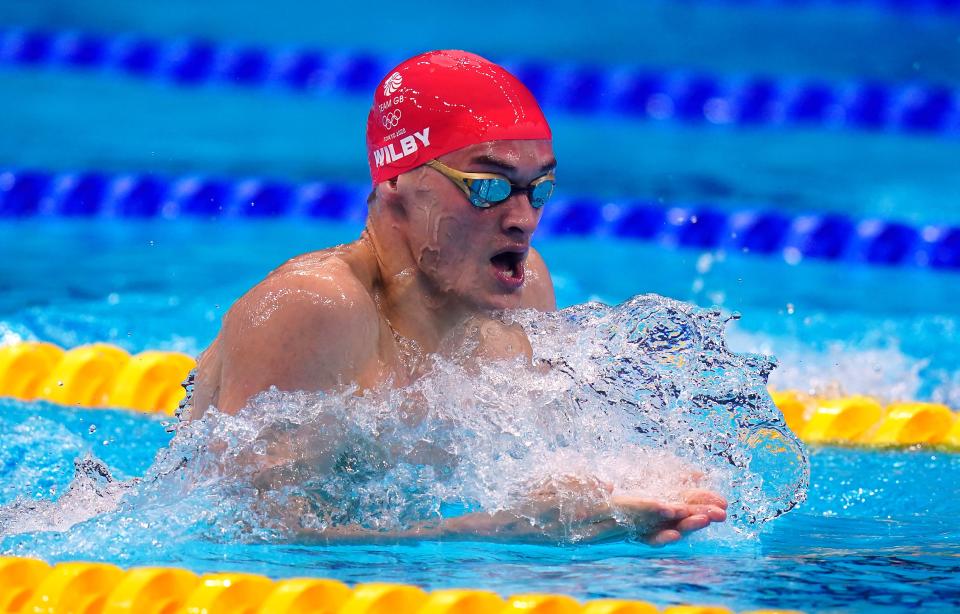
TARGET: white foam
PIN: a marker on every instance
(638, 396)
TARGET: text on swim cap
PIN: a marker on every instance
(408, 145)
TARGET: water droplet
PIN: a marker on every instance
(704, 262)
(92, 429)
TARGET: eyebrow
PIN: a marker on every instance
(506, 166)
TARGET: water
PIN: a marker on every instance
(124, 124)
(878, 530)
(865, 537)
(162, 285)
(638, 397)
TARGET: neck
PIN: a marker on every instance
(414, 308)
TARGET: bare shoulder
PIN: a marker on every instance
(538, 290)
(310, 325)
(313, 288)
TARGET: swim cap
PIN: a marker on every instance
(441, 101)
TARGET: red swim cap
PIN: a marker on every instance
(440, 101)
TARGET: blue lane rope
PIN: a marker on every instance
(831, 237)
(639, 93)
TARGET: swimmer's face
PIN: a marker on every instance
(476, 255)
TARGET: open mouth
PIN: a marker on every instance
(508, 267)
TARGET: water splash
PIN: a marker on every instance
(643, 396)
(93, 491)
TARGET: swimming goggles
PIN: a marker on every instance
(484, 190)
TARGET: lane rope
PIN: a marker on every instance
(31, 585)
(828, 236)
(103, 375)
(95, 375)
(640, 93)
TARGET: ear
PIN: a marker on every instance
(388, 195)
(388, 188)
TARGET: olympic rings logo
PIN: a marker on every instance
(391, 119)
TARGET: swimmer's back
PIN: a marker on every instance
(312, 324)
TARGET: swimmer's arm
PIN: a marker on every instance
(295, 332)
(586, 510)
(206, 383)
(589, 519)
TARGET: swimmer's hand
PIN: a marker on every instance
(585, 510)
(657, 523)
(567, 510)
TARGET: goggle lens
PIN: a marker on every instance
(485, 192)
(541, 193)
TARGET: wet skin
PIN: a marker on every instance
(365, 312)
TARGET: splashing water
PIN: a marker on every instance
(643, 396)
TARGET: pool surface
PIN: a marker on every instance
(865, 538)
(878, 530)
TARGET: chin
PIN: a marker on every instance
(497, 302)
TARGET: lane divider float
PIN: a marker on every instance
(103, 375)
(582, 89)
(830, 237)
(96, 375)
(31, 585)
(863, 420)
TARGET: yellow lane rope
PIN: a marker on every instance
(30, 585)
(103, 375)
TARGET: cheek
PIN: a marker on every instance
(445, 242)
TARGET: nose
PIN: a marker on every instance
(519, 218)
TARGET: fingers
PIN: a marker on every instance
(662, 538)
(682, 527)
(716, 514)
(713, 512)
(587, 506)
(693, 523)
(708, 497)
(648, 510)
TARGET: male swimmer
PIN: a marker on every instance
(462, 165)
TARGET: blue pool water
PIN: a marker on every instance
(878, 531)
(866, 538)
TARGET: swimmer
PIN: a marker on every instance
(462, 164)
